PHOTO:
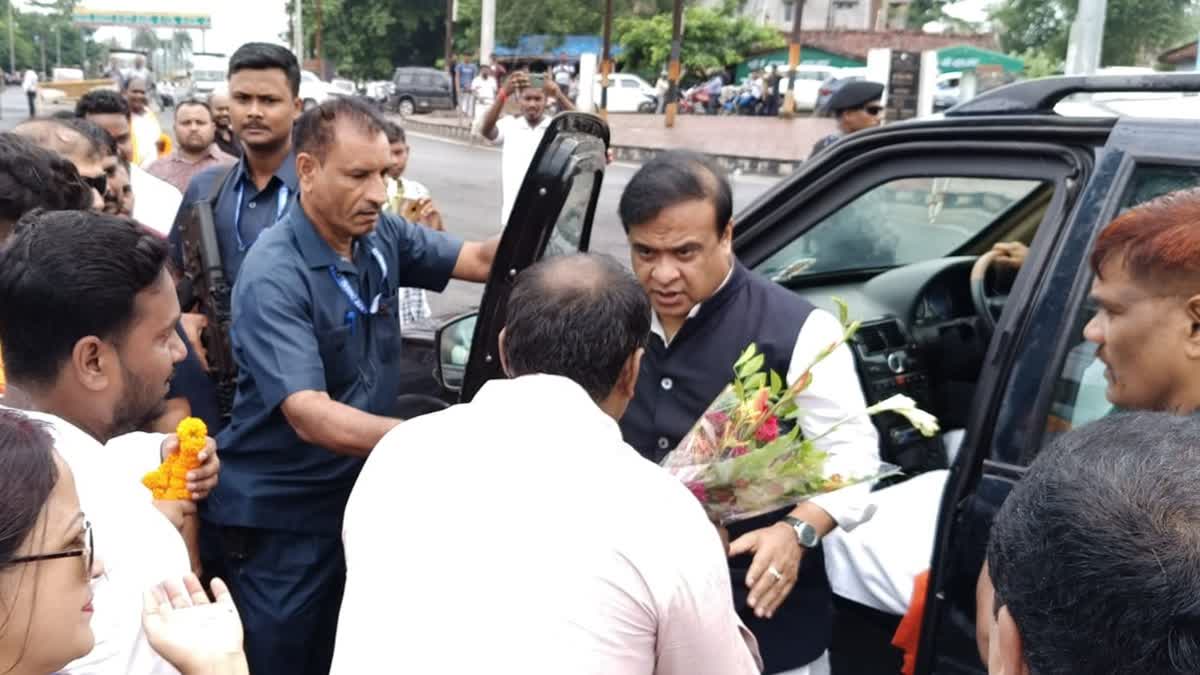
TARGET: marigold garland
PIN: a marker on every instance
(169, 480)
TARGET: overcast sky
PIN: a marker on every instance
(234, 21)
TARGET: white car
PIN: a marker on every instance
(808, 83)
(343, 87)
(627, 93)
(313, 91)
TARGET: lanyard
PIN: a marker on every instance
(281, 204)
(352, 294)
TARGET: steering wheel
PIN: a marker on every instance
(988, 305)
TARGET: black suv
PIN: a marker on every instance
(419, 89)
(899, 222)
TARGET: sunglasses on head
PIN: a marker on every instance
(100, 183)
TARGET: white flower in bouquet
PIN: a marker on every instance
(902, 405)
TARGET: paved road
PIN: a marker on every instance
(465, 181)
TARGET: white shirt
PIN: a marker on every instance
(484, 90)
(30, 82)
(524, 522)
(520, 142)
(833, 394)
(155, 201)
(136, 543)
(146, 128)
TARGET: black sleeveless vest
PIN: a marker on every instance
(677, 383)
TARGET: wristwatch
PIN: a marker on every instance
(805, 533)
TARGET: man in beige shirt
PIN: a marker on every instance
(195, 133)
(519, 533)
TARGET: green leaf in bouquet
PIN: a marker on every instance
(776, 384)
(788, 409)
(752, 366)
(748, 353)
(843, 311)
(756, 381)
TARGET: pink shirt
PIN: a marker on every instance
(178, 170)
(519, 533)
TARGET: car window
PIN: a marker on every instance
(900, 222)
(427, 81)
(629, 83)
(309, 77)
(404, 80)
(1080, 390)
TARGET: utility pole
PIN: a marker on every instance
(487, 30)
(673, 69)
(1087, 38)
(605, 59)
(789, 100)
(319, 52)
(297, 31)
(57, 48)
(12, 45)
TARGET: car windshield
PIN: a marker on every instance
(899, 223)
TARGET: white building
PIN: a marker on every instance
(825, 14)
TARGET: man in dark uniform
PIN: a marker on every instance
(707, 308)
(856, 106)
(317, 344)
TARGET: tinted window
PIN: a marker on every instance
(404, 79)
(899, 223)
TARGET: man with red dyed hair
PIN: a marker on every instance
(1147, 323)
(1147, 292)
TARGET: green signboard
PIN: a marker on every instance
(809, 56)
(90, 17)
(966, 57)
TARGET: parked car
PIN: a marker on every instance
(809, 80)
(417, 89)
(947, 90)
(209, 73)
(342, 87)
(313, 90)
(627, 93)
(897, 221)
(378, 90)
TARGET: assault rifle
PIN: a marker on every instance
(204, 272)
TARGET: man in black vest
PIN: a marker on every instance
(677, 212)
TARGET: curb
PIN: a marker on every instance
(738, 164)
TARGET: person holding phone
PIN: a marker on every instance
(520, 134)
(856, 106)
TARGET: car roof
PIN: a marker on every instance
(1043, 96)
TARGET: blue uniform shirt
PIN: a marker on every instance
(259, 210)
(242, 211)
(296, 328)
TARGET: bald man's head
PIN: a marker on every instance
(583, 317)
(61, 138)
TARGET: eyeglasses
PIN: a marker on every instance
(100, 183)
(873, 109)
(88, 553)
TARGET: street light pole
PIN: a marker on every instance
(57, 48)
(605, 58)
(297, 31)
(12, 45)
(673, 69)
(789, 100)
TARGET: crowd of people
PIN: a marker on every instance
(336, 537)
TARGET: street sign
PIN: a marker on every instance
(903, 85)
(104, 17)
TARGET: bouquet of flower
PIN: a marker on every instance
(169, 480)
(746, 455)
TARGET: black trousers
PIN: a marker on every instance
(32, 97)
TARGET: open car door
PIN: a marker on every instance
(1040, 377)
(552, 215)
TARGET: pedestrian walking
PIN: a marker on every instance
(29, 84)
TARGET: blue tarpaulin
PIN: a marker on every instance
(546, 48)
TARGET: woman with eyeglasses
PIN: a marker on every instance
(46, 563)
(47, 568)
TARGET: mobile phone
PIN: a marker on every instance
(537, 80)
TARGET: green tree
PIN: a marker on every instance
(366, 39)
(1133, 30)
(712, 38)
(555, 18)
(921, 12)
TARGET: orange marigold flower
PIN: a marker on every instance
(169, 480)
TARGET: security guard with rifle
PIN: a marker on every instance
(224, 211)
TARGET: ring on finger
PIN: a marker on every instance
(775, 573)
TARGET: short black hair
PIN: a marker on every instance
(395, 133)
(579, 316)
(100, 139)
(65, 275)
(1096, 553)
(33, 177)
(266, 56)
(102, 102)
(314, 131)
(194, 102)
(674, 177)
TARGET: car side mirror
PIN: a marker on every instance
(453, 341)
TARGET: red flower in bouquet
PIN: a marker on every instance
(699, 490)
(769, 430)
(739, 451)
